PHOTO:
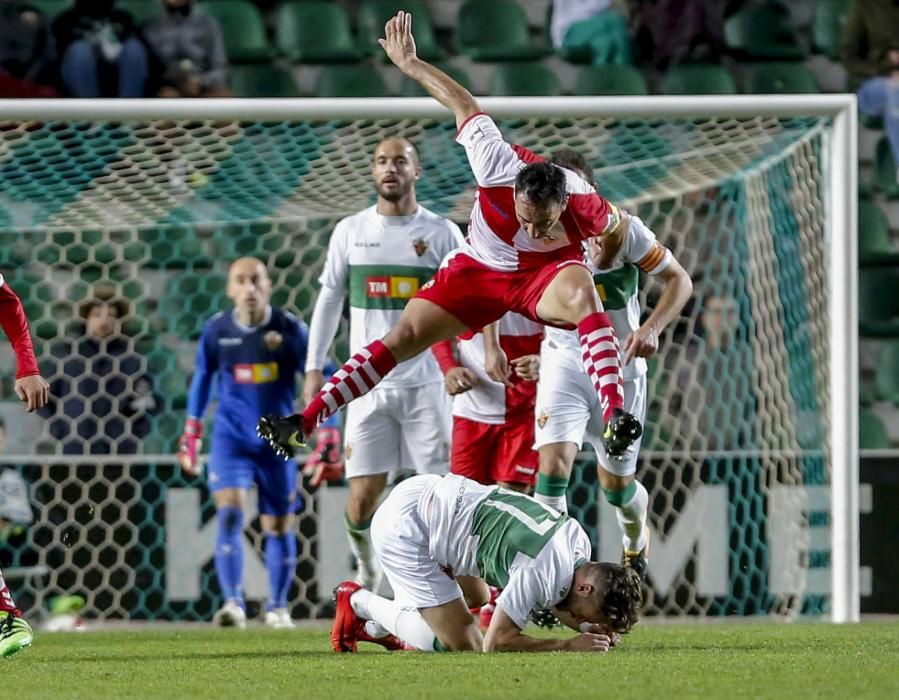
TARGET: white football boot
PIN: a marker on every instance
(279, 619)
(230, 615)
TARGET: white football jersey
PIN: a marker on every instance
(507, 538)
(489, 401)
(617, 288)
(495, 236)
(382, 261)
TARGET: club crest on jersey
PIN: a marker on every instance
(273, 340)
(347, 451)
(542, 419)
(421, 246)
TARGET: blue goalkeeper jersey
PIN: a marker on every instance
(254, 369)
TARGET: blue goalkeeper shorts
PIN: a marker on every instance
(275, 479)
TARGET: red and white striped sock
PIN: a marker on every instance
(357, 377)
(602, 360)
(6, 604)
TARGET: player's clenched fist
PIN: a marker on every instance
(589, 642)
(189, 445)
(34, 391)
(458, 380)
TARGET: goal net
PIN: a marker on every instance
(145, 206)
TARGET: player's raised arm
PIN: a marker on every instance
(399, 44)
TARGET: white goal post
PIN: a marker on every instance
(838, 192)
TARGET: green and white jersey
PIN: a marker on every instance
(617, 288)
(382, 262)
(510, 540)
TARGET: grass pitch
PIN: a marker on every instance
(655, 661)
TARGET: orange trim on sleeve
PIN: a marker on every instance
(649, 261)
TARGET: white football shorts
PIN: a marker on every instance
(568, 410)
(398, 429)
(400, 537)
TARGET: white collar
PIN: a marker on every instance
(266, 317)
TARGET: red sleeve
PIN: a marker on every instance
(590, 215)
(15, 325)
(445, 355)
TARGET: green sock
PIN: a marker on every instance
(550, 491)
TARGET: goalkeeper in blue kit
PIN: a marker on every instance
(253, 355)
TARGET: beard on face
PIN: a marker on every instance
(397, 194)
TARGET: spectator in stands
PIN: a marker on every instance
(27, 51)
(102, 393)
(593, 27)
(101, 53)
(669, 32)
(715, 379)
(191, 51)
(871, 55)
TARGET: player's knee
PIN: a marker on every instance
(230, 518)
(554, 463)
(467, 639)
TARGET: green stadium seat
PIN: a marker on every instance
(495, 31)
(524, 80)
(827, 27)
(875, 241)
(872, 433)
(242, 28)
(141, 10)
(698, 79)
(887, 373)
(761, 32)
(373, 15)
(885, 170)
(350, 81)
(411, 88)
(878, 303)
(262, 80)
(314, 32)
(779, 79)
(52, 8)
(610, 80)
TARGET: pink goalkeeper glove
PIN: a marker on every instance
(189, 445)
(324, 463)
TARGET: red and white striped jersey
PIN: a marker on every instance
(489, 401)
(496, 238)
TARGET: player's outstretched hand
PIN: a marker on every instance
(34, 391)
(324, 463)
(398, 42)
(189, 445)
(458, 380)
(588, 641)
(527, 367)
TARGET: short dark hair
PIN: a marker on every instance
(622, 596)
(571, 159)
(542, 183)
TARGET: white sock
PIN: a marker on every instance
(405, 623)
(632, 518)
(375, 629)
(360, 545)
(560, 503)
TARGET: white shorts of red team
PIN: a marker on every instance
(400, 538)
(393, 429)
(568, 410)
